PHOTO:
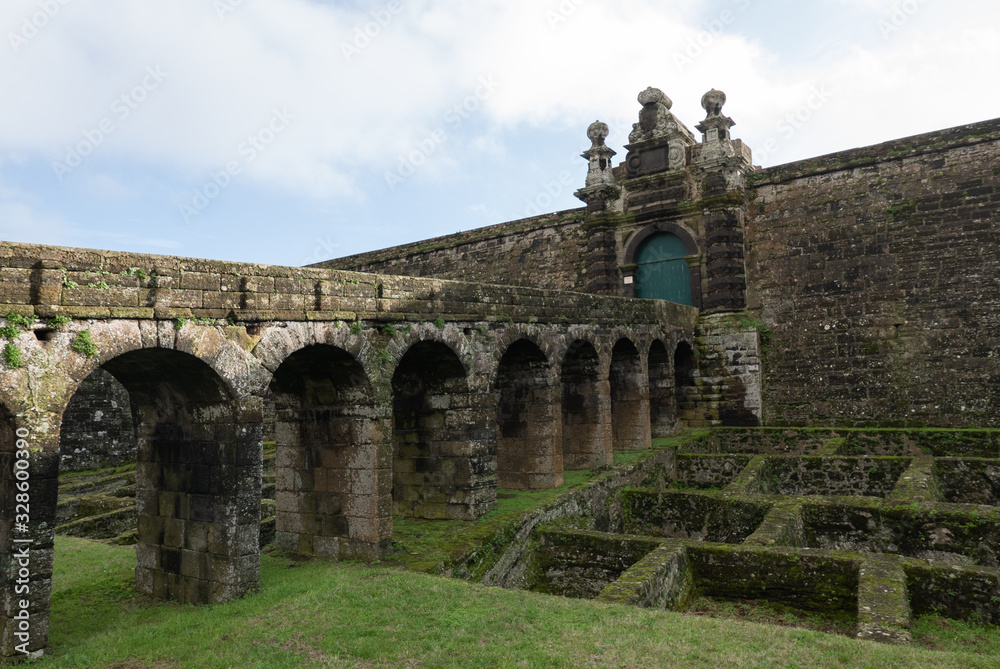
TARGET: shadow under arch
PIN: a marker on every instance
(332, 457)
(662, 404)
(198, 478)
(685, 388)
(586, 409)
(443, 437)
(629, 398)
(529, 447)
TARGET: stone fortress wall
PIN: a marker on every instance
(872, 273)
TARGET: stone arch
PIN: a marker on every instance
(685, 389)
(197, 480)
(333, 480)
(532, 334)
(279, 342)
(662, 404)
(443, 439)
(529, 445)
(640, 238)
(629, 398)
(586, 409)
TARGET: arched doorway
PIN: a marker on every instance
(662, 272)
(685, 386)
(662, 405)
(586, 409)
(198, 478)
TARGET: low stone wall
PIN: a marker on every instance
(886, 546)
(849, 441)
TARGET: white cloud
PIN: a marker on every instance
(362, 110)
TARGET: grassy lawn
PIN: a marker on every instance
(323, 614)
(320, 614)
(433, 545)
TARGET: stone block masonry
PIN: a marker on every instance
(867, 534)
(876, 271)
(870, 275)
(388, 394)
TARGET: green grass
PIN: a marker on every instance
(434, 545)
(774, 613)
(320, 614)
(937, 633)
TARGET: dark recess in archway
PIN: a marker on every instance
(662, 404)
(629, 401)
(586, 432)
(332, 466)
(529, 450)
(197, 479)
(443, 438)
(685, 389)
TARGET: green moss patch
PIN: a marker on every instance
(691, 515)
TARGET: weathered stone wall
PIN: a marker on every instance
(544, 251)
(877, 273)
(353, 364)
(872, 272)
(97, 426)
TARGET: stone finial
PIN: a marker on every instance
(600, 189)
(597, 132)
(712, 102)
(655, 119)
(651, 96)
(598, 155)
(715, 127)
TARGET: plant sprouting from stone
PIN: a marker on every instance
(15, 324)
(57, 322)
(12, 356)
(66, 282)
(179, 323)
(389, 329)
(439, 322)
(356, 327)
(84, 345)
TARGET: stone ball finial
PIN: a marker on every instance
(712, 102)
(598, 132)
(652, 95)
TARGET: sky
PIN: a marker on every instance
(290, 132)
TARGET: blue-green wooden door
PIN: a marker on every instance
(663, 273)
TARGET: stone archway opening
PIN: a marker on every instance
(198, 479)
(529, 447)
(443, 438)
(629, 398)
(662, 404)
(332, 470)
(586, 410)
